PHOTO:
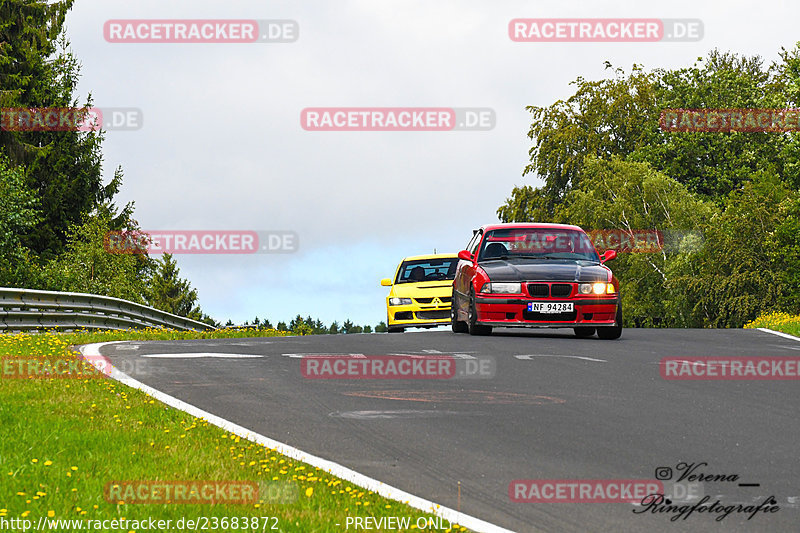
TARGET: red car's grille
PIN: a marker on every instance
(545, 290)
(560, 290)
(539, 290)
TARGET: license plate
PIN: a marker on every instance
(550, 307)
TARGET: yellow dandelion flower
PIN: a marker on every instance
(309, 491)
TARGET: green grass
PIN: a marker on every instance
(782, 322)
(64, 440)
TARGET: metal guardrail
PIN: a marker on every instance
(25, 310)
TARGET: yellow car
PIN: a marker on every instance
(421, 292)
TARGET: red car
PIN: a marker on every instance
(535, 275)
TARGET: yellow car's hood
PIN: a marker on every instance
(423, 289)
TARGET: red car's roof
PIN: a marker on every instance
(529, 225)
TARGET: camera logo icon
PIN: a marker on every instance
(663, 473)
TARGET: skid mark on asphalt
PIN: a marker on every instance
(203, 355)
(400, 413)
(301, 355)
(466, 396)
(784, 347)
(530, 357)
(425, 354)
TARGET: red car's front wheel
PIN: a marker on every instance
(472, 320)
(612, 332)
(455, 323)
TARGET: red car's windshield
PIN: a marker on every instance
(537, 243)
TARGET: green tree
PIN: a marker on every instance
(603, 118)
(620, 116)
(37, 70)
(783, 248)
(714, 164)
(85, 265)
(171, 293)
(740, 272)
(18, 214)
(618, 194)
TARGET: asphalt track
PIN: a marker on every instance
(557, 407)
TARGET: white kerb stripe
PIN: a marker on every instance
(779, 334)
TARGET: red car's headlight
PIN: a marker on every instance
(494, 287)
(596, 288)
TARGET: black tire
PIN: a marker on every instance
(612, 332)
(472, 321)
(584, 332)
(394, 329)
(457, 325)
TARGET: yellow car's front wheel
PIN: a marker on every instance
(394, 329)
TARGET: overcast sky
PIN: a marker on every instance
(222, 146)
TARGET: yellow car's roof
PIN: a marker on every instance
(428, 256)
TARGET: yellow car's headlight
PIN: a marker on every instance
(399, 301)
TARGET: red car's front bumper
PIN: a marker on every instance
(512, 311)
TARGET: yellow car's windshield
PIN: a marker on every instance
(427, 270)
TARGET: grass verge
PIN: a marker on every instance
(68, 444)
(782, 322)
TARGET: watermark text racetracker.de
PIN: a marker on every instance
(715, 120)
(71, 118)
(397, 119)
(645, 240)
(90, 367)
(589, 30)
(200, 242)
(359, 366)
(202, 492)
(582, 490)
(201, 31)
(733, 368)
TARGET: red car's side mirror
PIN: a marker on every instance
(608, 255)
(465, 255)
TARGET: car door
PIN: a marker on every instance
(464, 275)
